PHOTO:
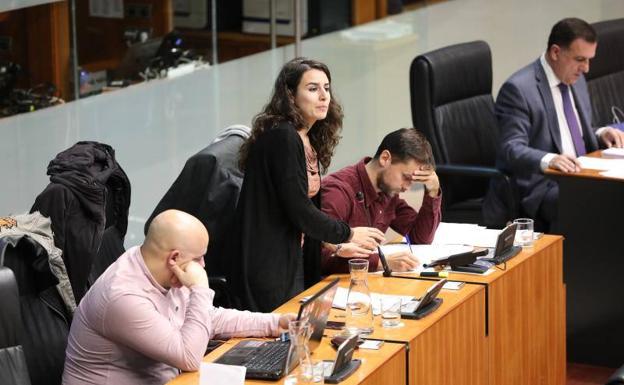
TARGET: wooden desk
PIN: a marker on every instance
(525, 316)
(590, 217)
(446, 347)
(379, 367)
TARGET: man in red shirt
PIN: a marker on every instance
(367, 194)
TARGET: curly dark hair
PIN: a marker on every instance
(324, 134)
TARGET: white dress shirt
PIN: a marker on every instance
(567, 145)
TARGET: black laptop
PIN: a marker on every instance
(266, 360)
(505, 249)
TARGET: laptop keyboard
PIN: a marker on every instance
(271, 356)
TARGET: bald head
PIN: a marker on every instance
(176, 230)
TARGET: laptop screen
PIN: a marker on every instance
(316, 310)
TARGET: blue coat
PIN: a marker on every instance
(529, 129)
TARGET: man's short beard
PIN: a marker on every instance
(381, 184)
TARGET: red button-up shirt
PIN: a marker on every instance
(350, 196)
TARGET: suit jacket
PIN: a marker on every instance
(529, 129)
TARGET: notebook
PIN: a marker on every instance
(266, 360)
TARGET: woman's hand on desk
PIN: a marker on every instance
(351, 250)
(367, 237)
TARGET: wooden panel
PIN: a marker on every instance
(40, 44)
(453, 333)
(100, 40)
(382, 8)
(12, 25)
(363, 11)
(454, 349)
(48, 45)
(526, 316)
(231, 45)
(527, 322)
(379, 367)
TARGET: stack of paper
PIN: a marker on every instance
(619, 174)
(465, 234)
(601, 163)
(613, 153)
(340, 299)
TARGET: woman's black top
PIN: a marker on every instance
(273, 211)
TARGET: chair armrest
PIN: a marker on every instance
(617, 378)
(217, 281)
(510, 194)
(223, 295)
(474, 171)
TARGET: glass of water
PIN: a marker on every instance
(524, 232)
(390, 312)
(313, 372)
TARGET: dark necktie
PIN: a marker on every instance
(573, 124)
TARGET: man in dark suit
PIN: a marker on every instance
(544, 116)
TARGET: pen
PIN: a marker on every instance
(434, 274)
(409, 242)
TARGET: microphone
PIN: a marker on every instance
(359, 196)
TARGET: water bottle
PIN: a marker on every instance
(359, 304)
(298, 352)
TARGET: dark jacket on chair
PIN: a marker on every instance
(26, 247)
(88, 192)
(208, 189)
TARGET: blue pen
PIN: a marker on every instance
(409, 243)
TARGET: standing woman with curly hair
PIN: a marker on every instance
(278, 225)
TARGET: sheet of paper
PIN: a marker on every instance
(613, 152)
(219, 374)
(340, 299)
(619, 174)
(601, 163)
(465, 234)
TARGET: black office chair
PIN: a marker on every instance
(208, 188)
(110, 249)
(605, 79)
(451, 98)
(46, 320)
(616, 378)
(13, 370)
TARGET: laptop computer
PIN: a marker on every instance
(266, 360)
(505, 249)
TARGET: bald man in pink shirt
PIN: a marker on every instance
(150, 314)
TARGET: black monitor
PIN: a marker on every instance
(316, 310)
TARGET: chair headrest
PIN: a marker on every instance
(459, 71)
(10, 316)
(610, 51)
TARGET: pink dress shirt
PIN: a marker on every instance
(130, 330)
